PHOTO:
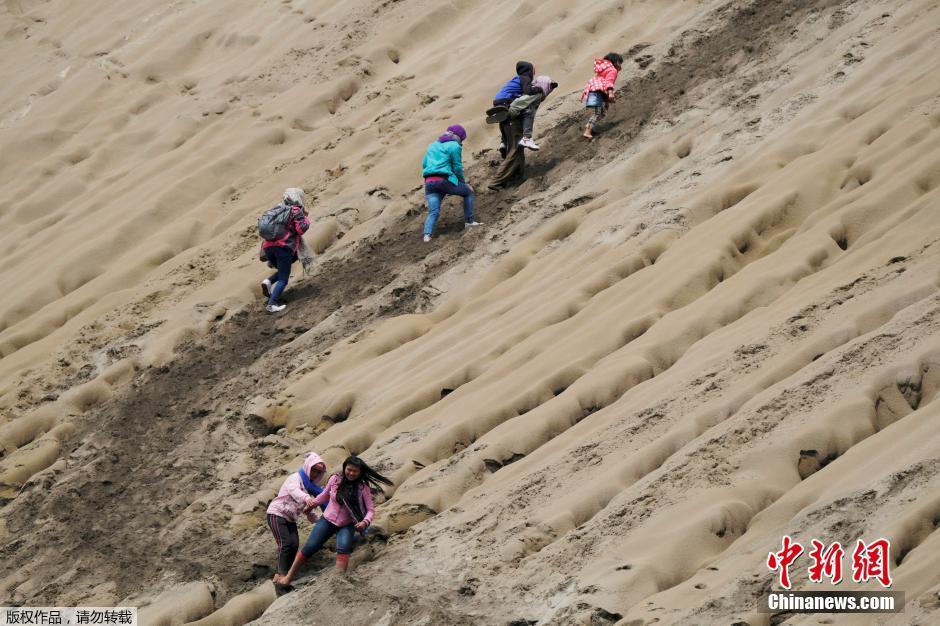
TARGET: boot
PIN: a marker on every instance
(342, 562)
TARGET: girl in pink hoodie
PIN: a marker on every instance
(350, 509)
(297, 494)
(599, 93)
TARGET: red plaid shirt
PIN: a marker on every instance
(605, 75)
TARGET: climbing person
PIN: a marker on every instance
(350, 510)
(442, 169)
(526, 106)
(282, 229)
(518, 85)
(599, 93)
(296, 494)
(514, 164)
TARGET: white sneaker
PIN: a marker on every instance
(527, 142)
(275, 308)
(427, 238)
(266, 287)
(471, 224)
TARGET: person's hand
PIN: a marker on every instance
(361, 525)
(470, 187)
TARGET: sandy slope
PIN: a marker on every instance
(717, 324)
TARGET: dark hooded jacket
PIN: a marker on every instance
(518, 85)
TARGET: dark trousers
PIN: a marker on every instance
(285, 533)
(280, 257)
(504, 125)
(514, 163)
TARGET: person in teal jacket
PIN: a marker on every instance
(442, 169)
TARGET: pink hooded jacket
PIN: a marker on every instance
(336, 513)
(605, 75)
(292, 496)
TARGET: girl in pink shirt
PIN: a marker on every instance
(350, 509)
(599, 93)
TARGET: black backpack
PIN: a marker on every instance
(272, 225)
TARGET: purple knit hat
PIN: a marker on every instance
(458, 130)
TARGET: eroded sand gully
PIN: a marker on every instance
(716, 324)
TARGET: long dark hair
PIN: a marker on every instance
(614, 58)
(366, 473)
(348, 490)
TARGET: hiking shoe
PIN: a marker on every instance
(427, 238)
(468, 225)
(275, 308)
(266, 287)
(527, 142)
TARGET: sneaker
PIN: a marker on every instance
(527, 142)
(471, 224)
(427, 238)
(502, 150)
(266, 287)
(275, 308)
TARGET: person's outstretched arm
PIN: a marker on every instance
(324, 496)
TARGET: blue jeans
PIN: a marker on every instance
(435, 191)
(280, 257)
(323, 530)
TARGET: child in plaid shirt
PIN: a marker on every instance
(599, 92)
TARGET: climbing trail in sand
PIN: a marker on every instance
(716, 324)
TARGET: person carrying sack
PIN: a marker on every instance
(518, 85)
(526, 106)
(282, 228)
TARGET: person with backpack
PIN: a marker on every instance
(599, 93)
(518, 85)
(350, 510)
(442, 169)
(296, 494)
(282, 229)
